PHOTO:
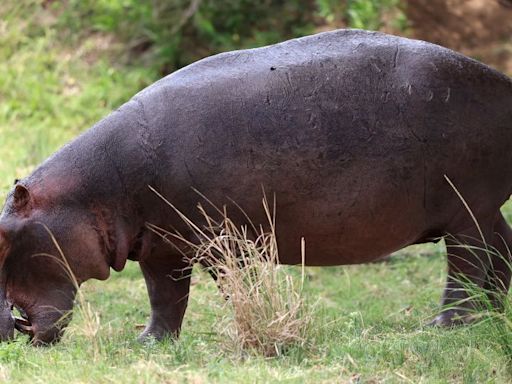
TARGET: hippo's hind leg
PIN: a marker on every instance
(168, 286)
(468, 263)
(499, 272)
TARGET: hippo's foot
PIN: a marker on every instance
(496, 300)
(454, 318)
(158, 333)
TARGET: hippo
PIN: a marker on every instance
(369, 143)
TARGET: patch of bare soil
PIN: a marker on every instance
(478, 28)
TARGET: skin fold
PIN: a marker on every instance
(357, 134)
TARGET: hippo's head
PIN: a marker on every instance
(36, 233)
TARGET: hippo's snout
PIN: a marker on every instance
(44, 329)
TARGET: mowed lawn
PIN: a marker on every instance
(369, 323)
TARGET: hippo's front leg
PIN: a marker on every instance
(168, 287)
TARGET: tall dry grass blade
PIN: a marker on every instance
(91, 320)
(303, 260)
(466, 205)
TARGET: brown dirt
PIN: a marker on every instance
(478, 28)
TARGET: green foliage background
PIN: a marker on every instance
(171, 34)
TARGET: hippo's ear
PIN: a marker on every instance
(21, 196)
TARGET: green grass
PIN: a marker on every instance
(370, 323)
(50, 92)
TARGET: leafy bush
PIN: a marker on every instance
(171, 34)
(174, 33)
(368, 13)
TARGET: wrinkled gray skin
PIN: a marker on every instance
(352, 131)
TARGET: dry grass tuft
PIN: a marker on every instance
(267, 310)
(90, 325)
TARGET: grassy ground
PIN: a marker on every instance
(369, 329)
(370, 320)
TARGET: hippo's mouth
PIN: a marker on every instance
(23, 324)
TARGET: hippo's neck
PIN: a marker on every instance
(113, 162)
(107, 172)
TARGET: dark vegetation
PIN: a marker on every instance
(171, 34)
